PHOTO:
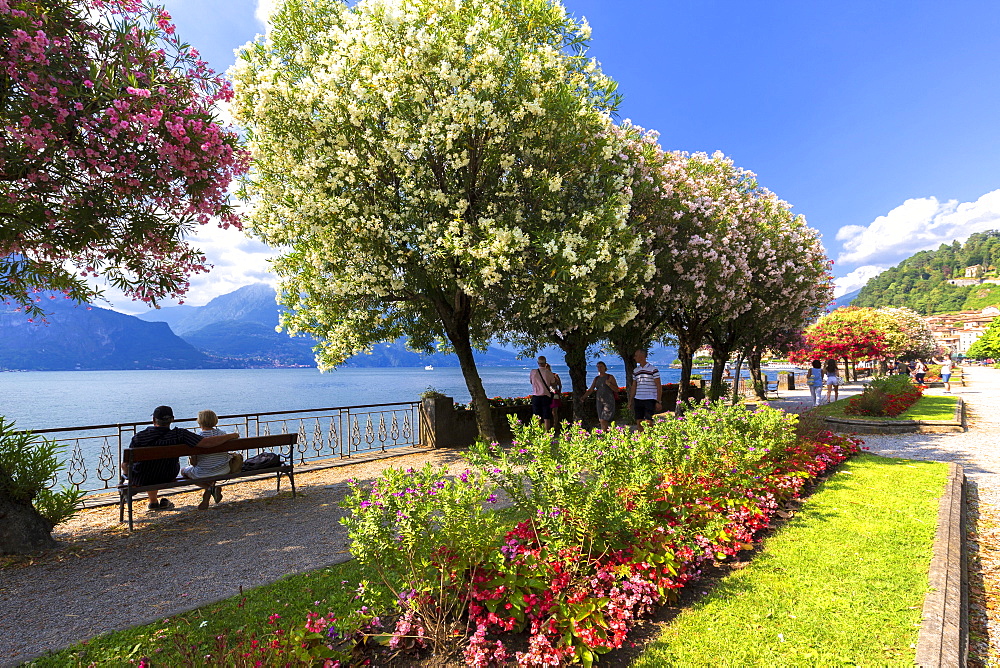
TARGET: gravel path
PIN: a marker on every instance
(978, 450)
(191, 558)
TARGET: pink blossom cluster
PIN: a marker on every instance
(111, 150)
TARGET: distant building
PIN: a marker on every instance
(973, 276)
(958, 331)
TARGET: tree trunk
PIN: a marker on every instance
(736, 378)
(719, 359)
(480, 402)
(575, 353)
(455, 319)
(24, 530)
(685, 350)
(628, 360)
(755, 374)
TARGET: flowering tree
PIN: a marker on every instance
(907, 333)
(434, 168)
(619, 269)
(789, 285)
(851, 333)
(110, 150)
(698, 246)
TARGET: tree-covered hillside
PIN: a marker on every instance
(921, 281)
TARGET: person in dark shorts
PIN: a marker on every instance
(156, 471)
(646, 392)
(542, 382)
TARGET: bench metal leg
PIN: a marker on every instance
(291, 479)
(130, 510)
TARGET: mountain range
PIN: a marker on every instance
(235, 330)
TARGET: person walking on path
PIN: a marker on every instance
(541, 392)
(919, 371)
(832, 380)
(646, 392)
(605, 388)
(946, 366)
(814, 380)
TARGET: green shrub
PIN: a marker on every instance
(27, 463)
(885, 396)
(421, 533)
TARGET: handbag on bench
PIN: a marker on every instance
(265, 460)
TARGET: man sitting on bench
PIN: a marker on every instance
(158, 471)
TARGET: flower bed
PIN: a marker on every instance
(547, 553)
(888, 396)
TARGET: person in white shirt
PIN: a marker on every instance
(814, 379)
(208, 465)
(946, 365)
(646, 392)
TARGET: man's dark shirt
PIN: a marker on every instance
(159, 470)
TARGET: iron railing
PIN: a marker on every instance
(324, 433)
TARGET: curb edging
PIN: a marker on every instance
(943, 641)
(957, 424)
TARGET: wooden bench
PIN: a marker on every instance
(281, 444)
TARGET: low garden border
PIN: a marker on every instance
(944, 633)
(875, 426)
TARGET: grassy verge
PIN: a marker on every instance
(928, 407)
(170, 641)
(841, 584)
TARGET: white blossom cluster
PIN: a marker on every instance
(448, 170)
(429, 158)
(721, 247)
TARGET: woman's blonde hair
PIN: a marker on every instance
(207, 419)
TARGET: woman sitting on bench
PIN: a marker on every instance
(212, 464)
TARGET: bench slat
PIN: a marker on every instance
(168, 451)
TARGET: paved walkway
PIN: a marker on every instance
(978, 451)
(107, 579)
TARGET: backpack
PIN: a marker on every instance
(265, 460)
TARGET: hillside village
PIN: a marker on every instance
(958, 331)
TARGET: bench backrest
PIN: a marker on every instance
(130, 455)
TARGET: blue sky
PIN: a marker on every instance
(877, 120)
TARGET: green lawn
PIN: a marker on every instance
(928, 407)
(931, 407)
(842, 583)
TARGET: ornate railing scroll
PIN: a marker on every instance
(92, 453)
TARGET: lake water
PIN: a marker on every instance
(50, 399)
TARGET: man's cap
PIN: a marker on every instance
(163, 414)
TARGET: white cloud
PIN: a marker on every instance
(916, 225)
(265, 8)
(237, 261)
(856, 279)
